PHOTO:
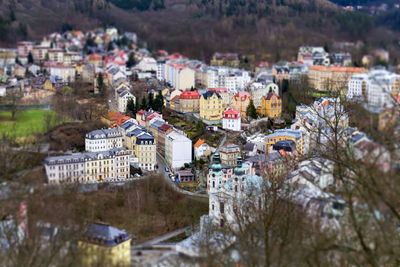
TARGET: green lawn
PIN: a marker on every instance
(28, 122)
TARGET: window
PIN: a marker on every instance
(221, 207)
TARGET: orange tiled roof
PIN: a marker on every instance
(199, 143)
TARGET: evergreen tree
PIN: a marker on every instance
(30, 58)
(150, 102)
(100, 83)
(131, 60)
(131, 106)
(110, 46)
(251, 110)
(159, 102)
(143, 105)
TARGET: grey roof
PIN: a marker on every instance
(265, 157)
(248, 147)
(127, 124)
(81, 157)
(104, 133)
(105, 235)
(210, 94)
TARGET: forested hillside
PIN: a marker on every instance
(267, 29)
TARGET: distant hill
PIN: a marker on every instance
(266, 29)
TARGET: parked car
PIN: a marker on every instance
(166, 169)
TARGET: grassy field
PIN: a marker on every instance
(27, 122)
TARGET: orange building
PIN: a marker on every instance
(240, 101)
(323, 78)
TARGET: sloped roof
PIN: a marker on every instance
(199, 142)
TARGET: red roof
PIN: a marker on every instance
(233, 112)
(190, 95)
(141, 112)
(242, 95)
(94, 57)
(218, 90)
(165, 127)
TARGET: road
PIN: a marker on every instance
(161, 238)
(161, 170)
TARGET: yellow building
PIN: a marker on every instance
(240, 101)
(104, 245)
(287, 134)
(211, 108)
(226, 59)
(143, 148)
(323, 78)
(271, 106)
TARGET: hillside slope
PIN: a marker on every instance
(268, 29)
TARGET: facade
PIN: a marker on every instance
(24, 48)
(178, 150)
(323, 78)
(227, 59)
(180, 76)
(260, 89)
(123, 98)
(189, 101)
(88, 166)
(377, 88)
(229, 153)
(163, 131)
(103, 140)
(240, 102)
(226, 96)
(105, 245)
(185, 176)
(201, 149)
(231, 120)
(241, 194)
(66, 72)
(271, 106)
(142, 146)
(211, 106)
(297, 136)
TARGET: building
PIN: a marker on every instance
(145, 151)
(189, 101)
(202, 149)
(267, 165)
(231, 120)
(24, 48)
(163, 131)
(296, 136)
(146, 64)
(103, 140)
(271, 106)
(226, 59)
(336, 79)
(180, 76)
(178, 150)
(260, 89)
(313, 55)
(66, 72)
(105, 245)
(226, 96)
(239, 195)
(240, 102)
(183, 176)
(376, 88)
(211, 106)
(123, 98)
(229, 153)
(88, 166)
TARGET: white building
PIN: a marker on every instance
(229, 78)
(147, 64)
(160, 70)
(103, 140)
(231, 120)
(66, 72)
(240, 194)
(260, 89)
(123, 99)
(375, 89)
(88, 166)
(178, 150)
